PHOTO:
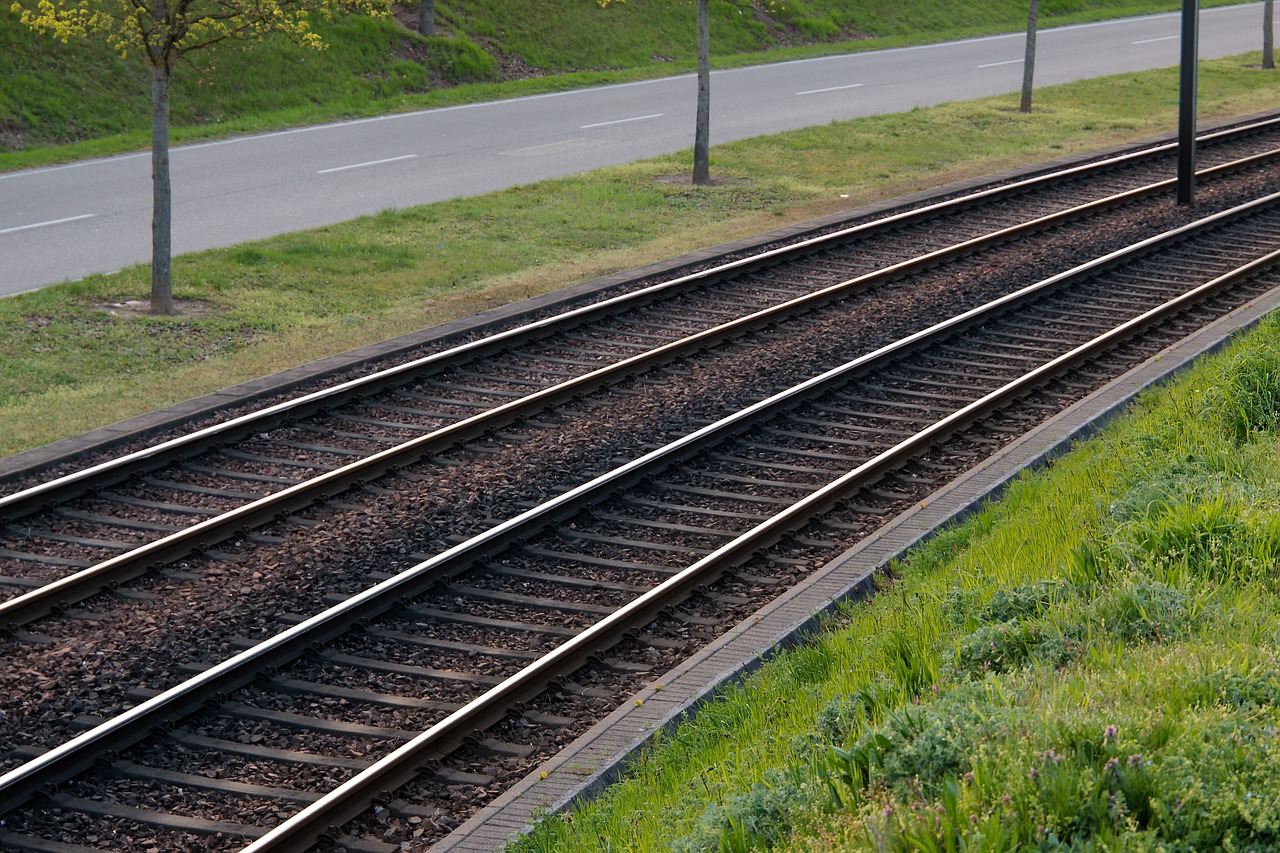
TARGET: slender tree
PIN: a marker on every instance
(702, 121)
(1268, 34)
(160, 32)
(1029, 64)
(427, 17)
(702, 126)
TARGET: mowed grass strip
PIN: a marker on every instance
(61, 102)
(67, 364)
(1090, 664)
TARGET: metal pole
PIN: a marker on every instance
(1187, 102)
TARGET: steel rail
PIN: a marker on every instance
(80, 585)
(75, 755)
(300, 832)
(26, 501)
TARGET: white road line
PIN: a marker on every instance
(543, 146)
(831, 89)
(618, 121)
(370, 163)
(44, 224)
(79, 164)
(1006, 62)
(677, 79)
(1149, 41)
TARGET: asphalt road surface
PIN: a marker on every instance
(65, 222)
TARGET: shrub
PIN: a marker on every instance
(843, 715)
(758, 818)
(1247, 399)
(1020, 602)
(461, 60)
(1145, 611)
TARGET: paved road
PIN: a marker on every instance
(65, 222)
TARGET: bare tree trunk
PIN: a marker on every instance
(1029, 64)
(427, 17)
(1268, 34)
(161, 194)
(702, 129)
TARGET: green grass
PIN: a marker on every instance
(280, 302)
(1090, 664)
(61, 102)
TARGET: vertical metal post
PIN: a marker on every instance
(1187, 102)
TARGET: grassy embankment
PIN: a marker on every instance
(67, 365)
(60, 102)
(1091, 664)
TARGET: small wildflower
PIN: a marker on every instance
(1112, 764)
(968, 778)
(1033, 773)
(1109, 734)
(1135, 759)
(1006, 799)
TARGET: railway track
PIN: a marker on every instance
(647, 532)
(70, 537)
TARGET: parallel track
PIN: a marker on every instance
(603, 560)
(149, 508)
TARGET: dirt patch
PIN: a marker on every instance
(408, 18)
(13, 137)
(686, 180)
(189, 309)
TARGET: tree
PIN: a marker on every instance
(1029, 64)
(1268, 34)
(702, 124)
(427, 17)
(702, 121)
(160, 32)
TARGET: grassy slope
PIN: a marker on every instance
(53, 94)
(1089, 665)
(294, 298)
